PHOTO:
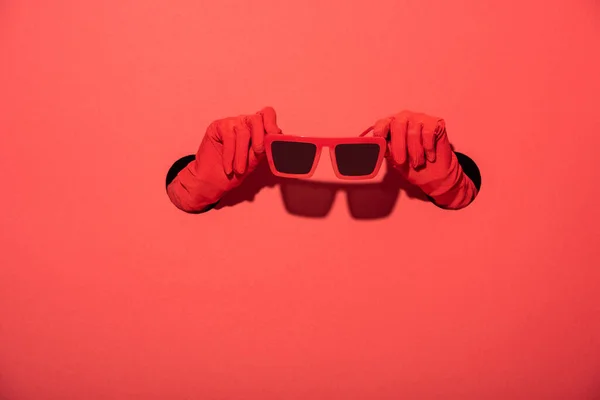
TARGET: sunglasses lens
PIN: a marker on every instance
(357, 159)
(293, 157)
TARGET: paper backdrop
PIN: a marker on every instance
(107, 291)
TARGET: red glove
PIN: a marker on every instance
(419, 148)
(230, 150)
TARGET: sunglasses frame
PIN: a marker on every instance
(331, 143)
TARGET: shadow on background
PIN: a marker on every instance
(315, 199)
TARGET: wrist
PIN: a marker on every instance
(458, 196)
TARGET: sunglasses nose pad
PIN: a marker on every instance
(323, 170)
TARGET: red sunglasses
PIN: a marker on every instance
(352, 158)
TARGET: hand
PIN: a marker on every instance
(230, 150)
(418, 147)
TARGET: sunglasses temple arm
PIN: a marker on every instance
(367, 131)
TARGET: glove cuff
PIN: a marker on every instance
(191, 194)
(455, 191)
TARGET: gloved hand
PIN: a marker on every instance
(419, 148)
(230, 150)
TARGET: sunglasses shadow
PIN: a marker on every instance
(312, 199)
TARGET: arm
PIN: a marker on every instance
(230, 151)
(461, 185)
(420, 149)
(184, 189)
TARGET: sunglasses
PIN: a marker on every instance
(352, 158)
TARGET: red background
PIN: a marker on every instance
(107, 291)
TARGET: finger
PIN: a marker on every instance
(213, 132)
(414, 143)
(242, 145)
(428, 134)
(253, 160)
(382, 128)
(270, 121)
(258, 133)
(398, 142)
(227, 136)
(440, 127)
